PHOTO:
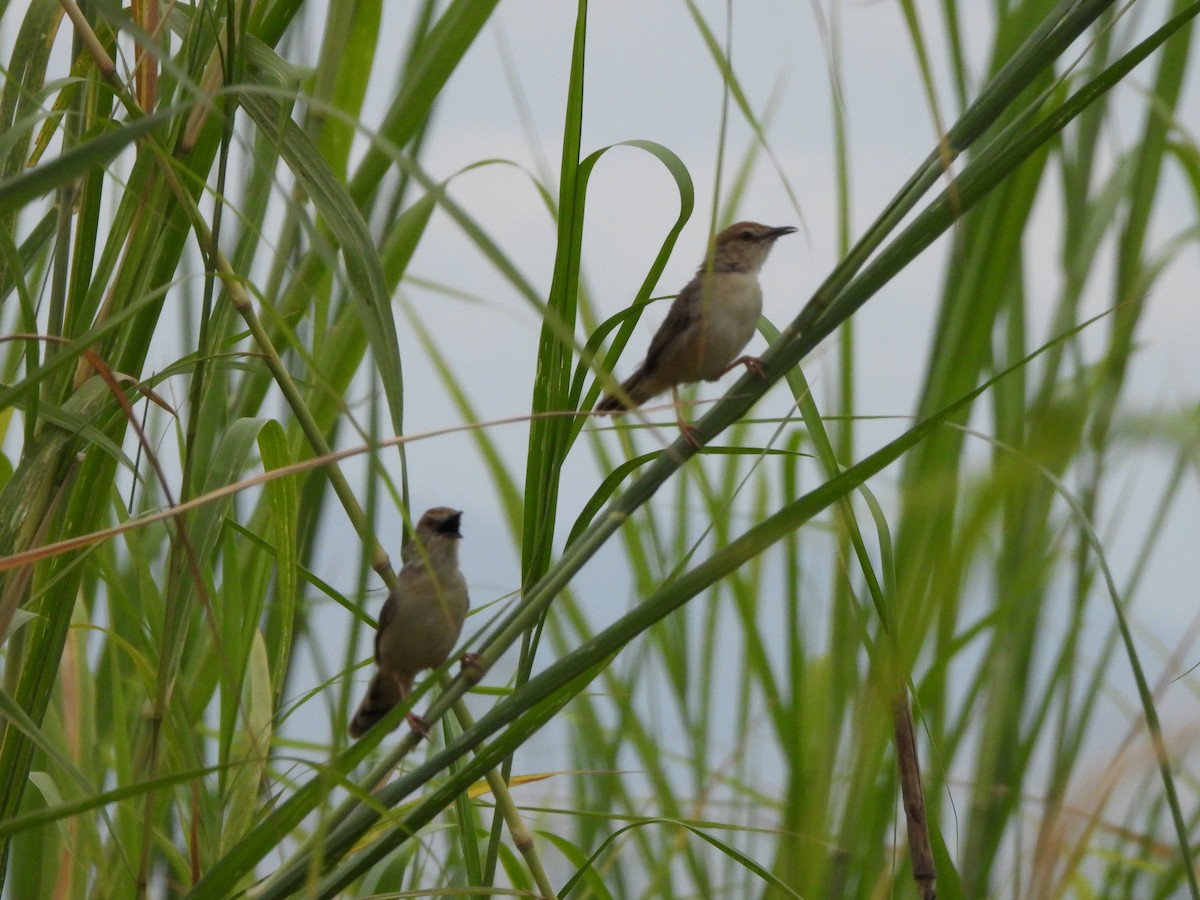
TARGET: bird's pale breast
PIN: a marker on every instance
(428, 621)
(730, 321)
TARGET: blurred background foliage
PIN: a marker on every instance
(177, 186)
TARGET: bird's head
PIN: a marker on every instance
(743, 247)
(436, 533)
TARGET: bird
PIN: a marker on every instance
(708, 325)
(421, 619)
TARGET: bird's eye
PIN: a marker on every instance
(747, 235)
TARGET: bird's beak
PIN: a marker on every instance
(779, 232)
(450, 526)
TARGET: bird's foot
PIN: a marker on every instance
(690, 433)
(472, 666)
(418, 724)
(686, 428)
(753, 363)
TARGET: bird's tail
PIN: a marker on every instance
(635, 390)
(382, 695)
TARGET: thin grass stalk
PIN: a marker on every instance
(913, 795)
(549, 438)
(245, 307)
(521, 836)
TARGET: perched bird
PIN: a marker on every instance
(421, 619)
(709, 324)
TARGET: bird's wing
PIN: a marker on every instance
(390, 607)
(682, 316)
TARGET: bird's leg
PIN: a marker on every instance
(686, 428)
(420, 727)
(418, 724)
(471, 667)
(753, 363)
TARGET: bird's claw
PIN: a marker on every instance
(753, 363)
(419, 726)
(690, 434)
